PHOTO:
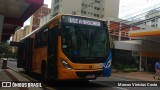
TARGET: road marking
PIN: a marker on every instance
(121, 88)
(120, 79)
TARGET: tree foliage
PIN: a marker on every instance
(5, 51)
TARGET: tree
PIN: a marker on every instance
(5, 51)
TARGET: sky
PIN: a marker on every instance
(127, 8)
(48, 2)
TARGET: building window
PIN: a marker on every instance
(85, 5)
(56, 8)
(156, 25)
(56, 1)
(36, 21)
(153, 20)
(97, 15)
(74, 13)
(153, 25)
(82, 4)
(102, 16)
(115, 38)
(97, 1)
(96, 8)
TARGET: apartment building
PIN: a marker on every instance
(40, 13)
(119, 30)
(91, 8)
(19, 34)
(45, 19)
(152, 18)
(34, 23)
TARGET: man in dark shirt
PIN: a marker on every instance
(157, 69)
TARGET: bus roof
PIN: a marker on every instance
(55, 17)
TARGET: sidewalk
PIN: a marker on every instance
(10, 75)
(142, 76)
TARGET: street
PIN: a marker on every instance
(101, 83)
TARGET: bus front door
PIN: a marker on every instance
(52, 53)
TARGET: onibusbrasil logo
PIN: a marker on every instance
(20, 84)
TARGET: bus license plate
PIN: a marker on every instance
(90, 76)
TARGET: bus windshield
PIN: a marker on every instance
(80, 41)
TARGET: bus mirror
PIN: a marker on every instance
(12, 43)
(111, 42)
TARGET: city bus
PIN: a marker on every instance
(68, 47)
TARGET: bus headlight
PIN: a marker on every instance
(66, 65)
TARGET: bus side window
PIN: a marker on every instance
(44, 37)
(41, 38)
(37, 40)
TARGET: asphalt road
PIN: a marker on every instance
(102, 83)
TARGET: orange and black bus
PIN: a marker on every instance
(66, 48)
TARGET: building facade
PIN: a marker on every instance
(34, 23)
(19, 34)
(40, 13)
(152, 18)
(45, 19)
(91, 8)
(119, 30)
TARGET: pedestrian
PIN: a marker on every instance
(157, 69)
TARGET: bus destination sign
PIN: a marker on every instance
(81, 20)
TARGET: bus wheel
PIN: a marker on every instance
(43, 71)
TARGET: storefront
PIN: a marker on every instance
(148, 61)
(125, 59)
(142, 61)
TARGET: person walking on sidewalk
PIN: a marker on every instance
(157, 69)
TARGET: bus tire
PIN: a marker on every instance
(43, 71)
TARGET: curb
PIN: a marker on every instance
(13, 78)
(32, 80)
